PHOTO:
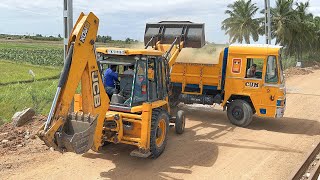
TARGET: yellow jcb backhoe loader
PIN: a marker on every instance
(138, 115)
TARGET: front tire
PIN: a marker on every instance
(159, 132)
(180, 122)
(240, 113)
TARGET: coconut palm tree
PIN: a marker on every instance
(305, 34)
(316, 41)
(241, 25)
(284, 23)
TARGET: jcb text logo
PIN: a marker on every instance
(84, 32)
(252, 84)
(95, 89)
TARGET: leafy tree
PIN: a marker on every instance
(104, 39)
(305, 33)
(241, 25)
(129, 40)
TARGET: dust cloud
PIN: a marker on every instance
(206, 55)
(138, 45)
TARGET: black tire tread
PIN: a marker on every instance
(155, 151)
(247, 109)
(179, 122)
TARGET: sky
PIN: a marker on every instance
(120, 18)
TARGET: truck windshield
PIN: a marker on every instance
(272, 70)
(281, 69)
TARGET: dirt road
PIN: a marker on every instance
(210, 148)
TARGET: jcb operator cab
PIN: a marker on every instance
(147, 82)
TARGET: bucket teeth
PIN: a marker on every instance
(78, 133)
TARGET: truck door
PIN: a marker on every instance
(253, 78)
(270, 87)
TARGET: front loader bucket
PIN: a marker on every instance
(78, 133)
(167, 31)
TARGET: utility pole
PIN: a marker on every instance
(67, 23)
(67, 28)
(267, 21)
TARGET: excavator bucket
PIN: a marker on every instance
(167, 31)
(77, 134)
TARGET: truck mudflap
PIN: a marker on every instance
(77, 134)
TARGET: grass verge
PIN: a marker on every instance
(17, 72)
(16, 97)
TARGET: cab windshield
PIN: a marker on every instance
(281, 69)
(272, 70)
(131, 73)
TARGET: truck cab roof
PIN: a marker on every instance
(258, 49)
(128, 52)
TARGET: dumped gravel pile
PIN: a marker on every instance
(297, 71)
(12, 138)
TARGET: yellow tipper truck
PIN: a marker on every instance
(247, 80)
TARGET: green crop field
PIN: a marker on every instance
(39, 54)
(12, 72)
(36, 93)
(43, 53)
(16, 97)
(19, 89)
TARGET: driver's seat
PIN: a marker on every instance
(126, 85)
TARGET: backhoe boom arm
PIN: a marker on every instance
(78, 131)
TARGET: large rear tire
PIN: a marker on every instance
(240, 113)
(159, 132)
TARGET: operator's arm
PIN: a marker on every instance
(105, 78)
(115, 76)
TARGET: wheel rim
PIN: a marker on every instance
(238, 113)
(161, 132)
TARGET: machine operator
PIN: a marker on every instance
(110, 79)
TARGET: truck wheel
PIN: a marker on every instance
(159, 132)
(239, 113)
(180, 122)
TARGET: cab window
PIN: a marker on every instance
(254, 68)
(272, 71)
(281, 69)
(140, 84)
(152, 79)
(164, 78)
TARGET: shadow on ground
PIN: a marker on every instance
(282, 125)
(196, 147)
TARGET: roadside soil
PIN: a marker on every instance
(211, 147)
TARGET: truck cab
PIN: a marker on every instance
(254, 75)
(247, 80)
